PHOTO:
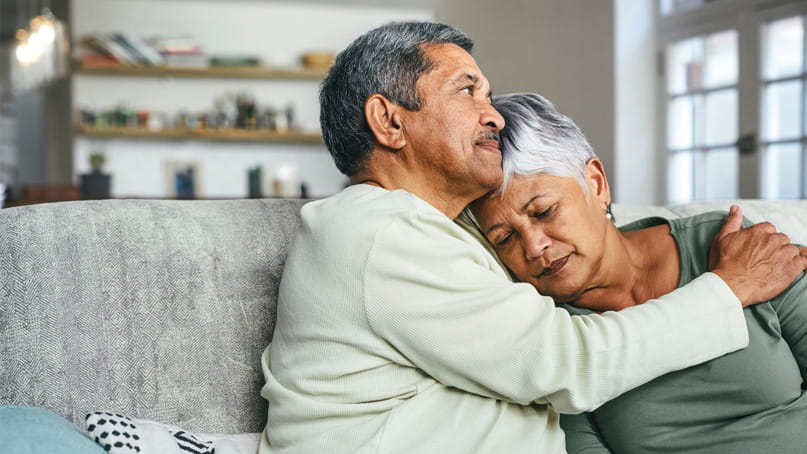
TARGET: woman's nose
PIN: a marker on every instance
(535, 244)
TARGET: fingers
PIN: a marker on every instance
(733, 223)
(765, 227)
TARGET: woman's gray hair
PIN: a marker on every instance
(538, 139)
(387, 60)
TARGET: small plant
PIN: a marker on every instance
(97, 160)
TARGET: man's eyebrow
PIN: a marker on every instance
(462, 78)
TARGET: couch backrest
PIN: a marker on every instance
(161, 309)
(789, 216)
(154, 309)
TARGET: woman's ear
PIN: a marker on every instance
(383, 117)
(597, 181)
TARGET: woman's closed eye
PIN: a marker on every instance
(540, 214)
(503, 240)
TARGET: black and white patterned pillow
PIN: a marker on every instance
(120, 434)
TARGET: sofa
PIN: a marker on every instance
(161, 309)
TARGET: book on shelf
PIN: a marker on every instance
(138, 48)
(180, 51)
(235, 61)
(99, 61)
(167, 45)
(106, 45)
(130, 50)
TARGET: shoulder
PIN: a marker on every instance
(710, 220)
(365, 218)
(359, 209)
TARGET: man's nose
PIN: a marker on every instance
(492, 118)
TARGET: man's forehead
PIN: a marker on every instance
(454, 62)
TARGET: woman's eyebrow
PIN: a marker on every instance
(529, 202)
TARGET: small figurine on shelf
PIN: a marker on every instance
(254, 182)
(96, 184)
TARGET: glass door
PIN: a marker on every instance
(734, 80)
(702, 117)
(782, 137)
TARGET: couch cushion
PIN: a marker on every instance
(154, 309)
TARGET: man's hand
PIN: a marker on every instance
(756, 262)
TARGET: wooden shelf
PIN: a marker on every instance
(209, 73)
(214, 135)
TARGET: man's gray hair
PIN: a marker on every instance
(538, 139)
(387, 60)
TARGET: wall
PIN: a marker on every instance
(561, 49)
(638, 178)
(276, 31)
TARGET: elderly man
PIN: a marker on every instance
(397, 331)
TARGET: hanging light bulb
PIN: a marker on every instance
(43, 26)
(25, 55)
(42, 51)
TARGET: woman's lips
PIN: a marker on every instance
(555, 267)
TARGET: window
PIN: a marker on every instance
(702, 117)
(735, 98)
(783, 99)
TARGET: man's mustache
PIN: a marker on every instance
(490, 135)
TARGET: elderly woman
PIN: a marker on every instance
(551, 225)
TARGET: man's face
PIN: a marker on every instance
(454, 136)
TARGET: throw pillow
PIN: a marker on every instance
(34, 430)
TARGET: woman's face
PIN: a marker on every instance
(548, 232)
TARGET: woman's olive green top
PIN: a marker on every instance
(749, 401)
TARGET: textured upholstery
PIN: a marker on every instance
(789, 216)
(160, 309)
(155, 309)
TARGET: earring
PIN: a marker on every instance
(608, 214)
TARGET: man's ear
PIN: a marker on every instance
(383, 117)
(597, 181)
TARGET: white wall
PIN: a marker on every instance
(276, 31)
(561, 49)
(638, 179)
(593, 58)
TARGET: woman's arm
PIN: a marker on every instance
(582, 435)
(791, 307)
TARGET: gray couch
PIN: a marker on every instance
(161, 309)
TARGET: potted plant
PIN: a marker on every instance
(96, 184)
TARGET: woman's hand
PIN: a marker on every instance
(756, 262)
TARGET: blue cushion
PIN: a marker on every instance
(28, 430)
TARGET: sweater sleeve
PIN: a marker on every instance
(433, 295)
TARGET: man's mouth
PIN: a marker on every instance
(555, 267)
(490, 141)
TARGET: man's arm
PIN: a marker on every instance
(438, 298)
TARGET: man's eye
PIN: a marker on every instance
(469, 90)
